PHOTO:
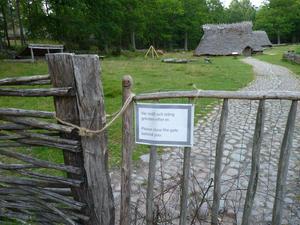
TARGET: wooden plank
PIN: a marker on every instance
(250, 95)
(150, 187)
(24, 112)
(29, 182)
(31, 122)
(67, 110)
(90, 103)
(40, 136)
(253, 180)
(127, 146)
(40, 163)
(45, 46)
(39, 92)
(218, 163)
(50, 178)
(23, 80)
(16, 166)
(283, 165)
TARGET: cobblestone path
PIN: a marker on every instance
(236, 160)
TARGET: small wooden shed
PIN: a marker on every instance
(40, 50)
(44, 47)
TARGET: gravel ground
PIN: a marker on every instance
(236, 160)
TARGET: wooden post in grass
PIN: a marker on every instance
(127, 146)
(85, 109)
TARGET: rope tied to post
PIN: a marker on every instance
(85, 132)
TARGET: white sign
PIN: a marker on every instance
(164, 124)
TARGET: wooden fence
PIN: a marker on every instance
(286, 145)
(82, 193)
(28, 189)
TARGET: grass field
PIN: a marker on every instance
(274, 56)
(224, 73)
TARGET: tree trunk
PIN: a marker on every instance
(133, 41)
(5, 25)
(13, 23)
(278, 38)
(186, 41)
(20, 22)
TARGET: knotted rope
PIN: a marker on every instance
(82, 131)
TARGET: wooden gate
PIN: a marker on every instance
(29, 192)
(128, 139)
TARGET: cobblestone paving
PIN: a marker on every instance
(236, 160)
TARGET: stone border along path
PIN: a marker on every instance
(236, 160)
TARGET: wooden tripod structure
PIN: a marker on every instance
(153, 52)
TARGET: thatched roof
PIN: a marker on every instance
(224, 39)
(262, 38)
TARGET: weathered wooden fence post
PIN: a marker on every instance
(283, 165)
(85, 109)
(150, 187)
(253, 180)
(218, 164)
(127, 146)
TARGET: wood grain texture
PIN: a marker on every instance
(150, 187)
(39, 92)
(127, 146)
(218, 163)
(90, 103)
(254, 176)
(31, 122)
(67, 110)
(283, 165)
(26, 112)
(23, 80)
(250, 95)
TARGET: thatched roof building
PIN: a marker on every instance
(262, 38)
(225, 39)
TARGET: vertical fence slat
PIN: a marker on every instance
(185, 186)
(283, 165)
(127, 146)
(150, 187)
(90, 101)
(253, 180)
(66, 109)
(218, 163)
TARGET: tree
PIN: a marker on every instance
(22, 37)
(216, 11)
(276, 18)
(195, 14)
(240, 10)
(3, 22)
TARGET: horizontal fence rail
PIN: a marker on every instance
(249, 95)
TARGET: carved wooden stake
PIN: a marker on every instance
(127, 146)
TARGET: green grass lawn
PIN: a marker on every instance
(224, 73)
(274, 56)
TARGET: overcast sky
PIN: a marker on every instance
(254, 2)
